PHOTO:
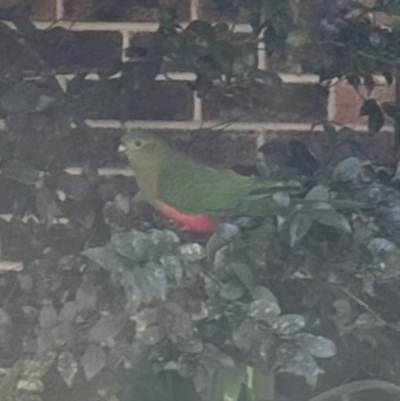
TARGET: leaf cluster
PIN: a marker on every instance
(115, 304)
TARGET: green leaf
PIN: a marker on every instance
(48, 315)
(369, 83)
(21, 172)
(389, 109)
(370, 106)
(200, 33)
(46, 205)
(298, 362)
(93, 361)
(192, 252)
(67, 367)
(86, 296)
(245, 335)
(245, 61)
(27, 97)
(269, 78)
(263, 309)
(317, 346)
(332, 219)
(38, 365)
(293, 11)
(318, 193)
(151, 335)
(133, 245)
(167, 18)
(68, 313)
(263, 384)
(228, 383)
(107, 327)
(231, 291)
(274, 43)
(289, 324)
(223, 52)
(348, 169)
(391, 7)
(330, 132)
(269, 9)
(243, 272)
(388, 77)
(353, 80)
(104, 257)
(299, 227)
(298, 38)
(375, 121)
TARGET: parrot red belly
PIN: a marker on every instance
(195, 223)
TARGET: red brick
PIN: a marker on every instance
(78, 10)
(95, 146)
(379, 18)
(210, 12)
(348, 102)
(18, 56)
(98, 146)
(153, 42)
(68, 51)
(216, 148)
(143, 39)
(44, 10)
(11, 192)
(233, 148)
(85, 10)
(230, 148)
(289, 103)
(63, 52)
(381, 148)
(157, 100)
(383, 19)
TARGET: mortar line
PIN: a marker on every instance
(195, 125)
(194, 10)
(197, 102)
(216, 126)
(137, 27)
(104, 171)
(63, 82)
(197, 107)
(220, 126)
(331, 104)
(59, 10)
(262, 59)
(125, 44)
(190, 76)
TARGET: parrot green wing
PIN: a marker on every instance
(198, 189)
(170, 177)
(195, 188)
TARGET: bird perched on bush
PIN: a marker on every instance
(192, 194)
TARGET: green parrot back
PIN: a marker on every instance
(164, 174)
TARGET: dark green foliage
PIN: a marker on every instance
(112, 303)
(334, 41)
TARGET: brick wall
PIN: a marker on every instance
(100, 38)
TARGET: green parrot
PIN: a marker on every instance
(192, 194)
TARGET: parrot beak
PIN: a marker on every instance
(122, 153)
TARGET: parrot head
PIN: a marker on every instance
(143, 149)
